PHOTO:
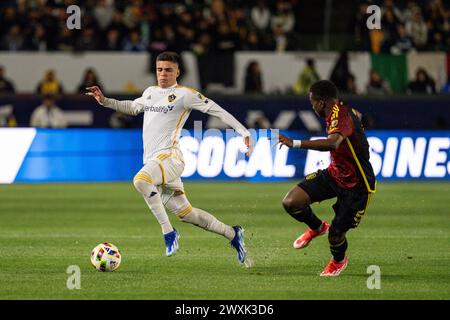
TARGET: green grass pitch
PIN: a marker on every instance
(44, 228)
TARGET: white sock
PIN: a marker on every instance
(156, 206)
(207, 221)
(154, 202)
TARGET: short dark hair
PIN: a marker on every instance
(169, 56)
(324, 90)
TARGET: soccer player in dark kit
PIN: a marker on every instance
(349, 178)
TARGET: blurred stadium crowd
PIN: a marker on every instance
(135, 25)
(205, 26)
(422, 25)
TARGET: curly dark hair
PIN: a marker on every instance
(324, 90)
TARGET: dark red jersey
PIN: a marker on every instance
(350, 166)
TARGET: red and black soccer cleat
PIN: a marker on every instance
(305, 239)
(334, 269)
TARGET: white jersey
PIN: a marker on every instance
(165, 113)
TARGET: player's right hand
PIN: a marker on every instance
(282, 139)
(95, 92)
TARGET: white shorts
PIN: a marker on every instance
(165, 170)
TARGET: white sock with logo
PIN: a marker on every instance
(156, 206)
(154, 202)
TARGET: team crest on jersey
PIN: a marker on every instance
(171, 97)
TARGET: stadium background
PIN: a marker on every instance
(407, 118)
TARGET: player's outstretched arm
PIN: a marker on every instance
(331, 143)
(125, 106)
(197, 101)
(226, 117)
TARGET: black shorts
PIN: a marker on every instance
(350, 205)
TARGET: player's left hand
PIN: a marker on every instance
(282, 139)
(249, 143)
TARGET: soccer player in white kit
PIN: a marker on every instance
(166, 108)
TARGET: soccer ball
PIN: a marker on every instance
(106, 257)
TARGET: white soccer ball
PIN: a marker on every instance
(106, 257)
